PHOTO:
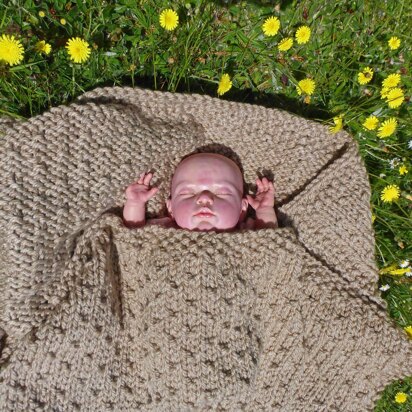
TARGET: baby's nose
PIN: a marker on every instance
(205, 196)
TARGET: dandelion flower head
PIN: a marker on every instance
(303, 34)
(307, 99)
(392, 80)
(42, 13)
(338, 120)
(388, 128)
(11, 50)
(62, 22)
(225, 84)
(371, 123)
(271, 26)
(78, 50)
(169, 19)
(285, 44)
(401, 397)
(394, 42)
(390, 193)
(395, 97)
(306, 86)
(403, 170)
(365, 76)
(384, 92)
(42, 47)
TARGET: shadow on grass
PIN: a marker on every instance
(283, 4)
(269, 100)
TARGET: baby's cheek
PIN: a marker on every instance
(183, 212)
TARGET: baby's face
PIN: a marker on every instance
(208, 182)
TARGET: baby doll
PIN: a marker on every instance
(206, 194)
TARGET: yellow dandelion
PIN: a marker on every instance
(408, 330)
(42, 13)
(307, 99)
(11, 50)
(338, 120)
(398, 272)
(387, 128)
(169, 19)
(271, 26)
(63, 22)
(285, 44)
(395, 97)
(371, 123)
(388, 269)
(306, 86)
(390, 193)
(42, 47)
(394, 43)
(392, 80)
(365, 76)
(303, 34)
(225, 84)
(403, 170)
(384, 92)
(401, 397)
(78, 49)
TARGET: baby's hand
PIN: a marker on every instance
(139, 192)
(265, 196)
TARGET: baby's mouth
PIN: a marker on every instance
(205, 213)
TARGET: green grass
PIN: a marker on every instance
(213, 38)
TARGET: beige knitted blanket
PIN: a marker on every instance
(100, 317)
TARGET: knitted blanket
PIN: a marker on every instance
(100, 317)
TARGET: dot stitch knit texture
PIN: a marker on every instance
(100, 317)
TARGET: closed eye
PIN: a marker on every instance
(218, 194)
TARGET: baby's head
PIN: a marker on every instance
(207, 182)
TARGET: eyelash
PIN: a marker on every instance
(219, 194)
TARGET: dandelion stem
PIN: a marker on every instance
(385, 224)
(73, 80)
(400, 207)
(380, 252)
(390, 252)
(393, 215)
(373, 155)
(154, 70)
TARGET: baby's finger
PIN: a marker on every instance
(264, 183)
(251, 201)
(271, 187)
(140, 180)
(153, 191)
(148, 178)
(262, 186)
(268, 183)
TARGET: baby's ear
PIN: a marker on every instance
(169, 206)
(243, 213)
(245, 204)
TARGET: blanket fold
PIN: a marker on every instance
(164, 319)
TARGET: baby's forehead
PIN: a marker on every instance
(207, 169)
(205, 162)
